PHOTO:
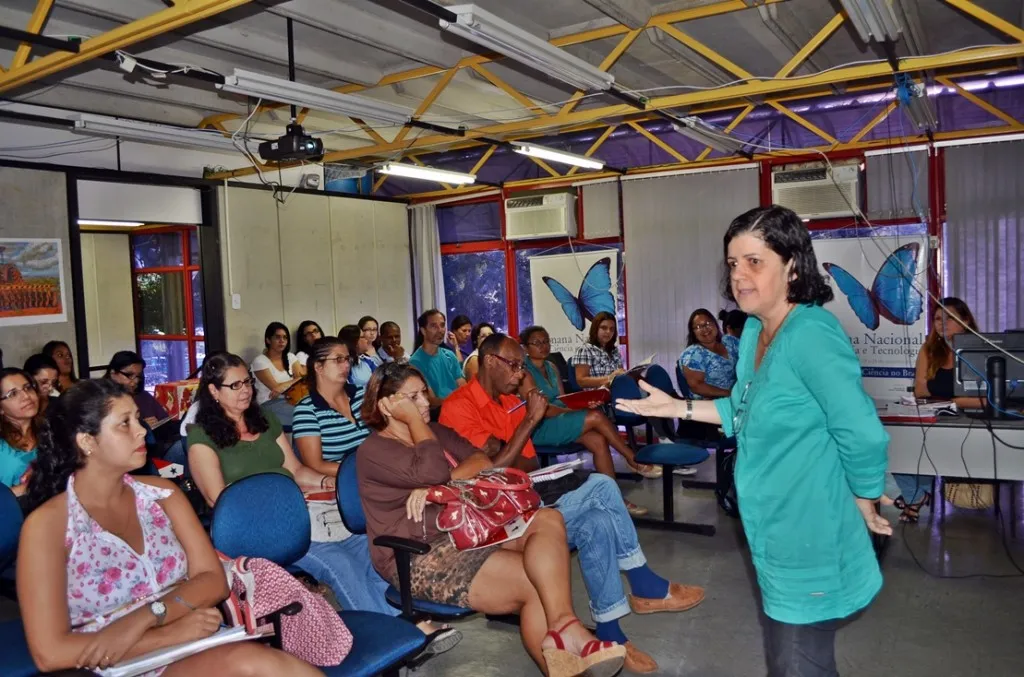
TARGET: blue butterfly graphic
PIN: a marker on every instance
(892, 294)
(595, 294)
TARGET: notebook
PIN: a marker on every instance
(156, 659)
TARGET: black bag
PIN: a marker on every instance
(552, 490)
(725, 491)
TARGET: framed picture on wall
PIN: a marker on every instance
(31, 281)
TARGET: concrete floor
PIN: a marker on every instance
(919, 626)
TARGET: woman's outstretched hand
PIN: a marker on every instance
(657, 405)
(876, 523)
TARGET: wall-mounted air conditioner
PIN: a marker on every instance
(814, 191)
(538, 216)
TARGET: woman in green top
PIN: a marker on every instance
(812, 452)
(233, 438)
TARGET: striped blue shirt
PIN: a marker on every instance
(314, 417)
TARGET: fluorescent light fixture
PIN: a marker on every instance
(487, 30)
(147, 132)
(873, 19)
(263, 86)
(555, 155)
(111, 224)
(895, 150)
(998, 138)
(919, 107)
(427, 173)
(698, 130)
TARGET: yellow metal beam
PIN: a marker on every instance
(978, 101)
(803, 122)
(820, 37)
(378, 183)
(606, 64)
(706, 52)
(35, 25)
(719, 95)
(181, 14)
(594, 146)
(509, 89)
(483, 159)
(658, 142)
(428, 101)
(875, 121)
(731, 126)
(370, 131)
(545, 166)
(988, 18)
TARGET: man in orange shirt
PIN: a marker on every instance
(487, 413)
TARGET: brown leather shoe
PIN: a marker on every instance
(639, 662)
(680, 598)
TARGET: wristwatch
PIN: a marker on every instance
(159, 610)
(689, 410)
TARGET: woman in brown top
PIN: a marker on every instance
(528, 576)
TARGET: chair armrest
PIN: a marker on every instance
(274, 618)
(399, 544)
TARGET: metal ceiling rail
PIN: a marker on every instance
(179, 14)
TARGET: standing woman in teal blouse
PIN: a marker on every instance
(812, 452)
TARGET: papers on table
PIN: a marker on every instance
(908, 408)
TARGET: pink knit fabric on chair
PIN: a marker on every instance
(316, 634)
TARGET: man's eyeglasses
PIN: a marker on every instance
(129, 375)
(13, 392)
(238, 385)
(515, 365)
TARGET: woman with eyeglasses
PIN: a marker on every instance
(20, 422)
(371, 332)
(126, 369)
(472, 364)
(45, 373)
(812, 451)
(358, 349)
(60, 352)
(233, 437)
(308, 333)
(709, 360)
(563, 426)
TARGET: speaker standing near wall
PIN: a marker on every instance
(812, 452)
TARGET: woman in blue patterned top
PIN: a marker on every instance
(709, 360)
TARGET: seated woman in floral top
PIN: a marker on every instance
(709, 360)
(111, 567)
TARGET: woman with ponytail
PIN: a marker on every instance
(111, 566)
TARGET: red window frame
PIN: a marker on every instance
(186, 270)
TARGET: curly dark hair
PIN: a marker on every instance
(691, 336)
(80, 409)
(786, 235)
(301, 344)
(211, 418)
(733, 320)
(474, 336)
(524, 335)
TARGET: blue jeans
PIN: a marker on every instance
(282, 408)
(345, 566)
(599, 527)
(913, 487)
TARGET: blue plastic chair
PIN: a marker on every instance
(381, 644)
(659, 378)
(351, 508)
(684, 387)
(670, 456)
(574, 386)
(15, 659)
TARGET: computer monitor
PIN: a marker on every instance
(983, 371)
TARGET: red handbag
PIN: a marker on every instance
(495, 506)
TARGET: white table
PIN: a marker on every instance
(943, 441)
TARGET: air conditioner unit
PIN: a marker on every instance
(814, 191)
(538, 216)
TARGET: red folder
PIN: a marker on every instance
(584, 399)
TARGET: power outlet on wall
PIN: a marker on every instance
(236, 301)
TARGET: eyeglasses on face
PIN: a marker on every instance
(129, 375)
(538, 343)
(515, 365)
(14, 392)
(337, 360)
(702, 326)
(238, 385)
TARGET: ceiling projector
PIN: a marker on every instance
(295, 145)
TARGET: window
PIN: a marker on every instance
(168, 289)
(474, 285)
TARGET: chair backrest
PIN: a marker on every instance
(684, 387)
(262, 515)
(563, 368)
(574, 386)
(625, 388)
(10, 526)
(349, 504)
(659, 378)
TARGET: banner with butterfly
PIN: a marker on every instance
(878, 283)
(568, 291)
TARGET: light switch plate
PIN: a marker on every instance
(236, 301)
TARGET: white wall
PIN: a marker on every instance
(107, 284)
(321, 258)
(111, 201)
